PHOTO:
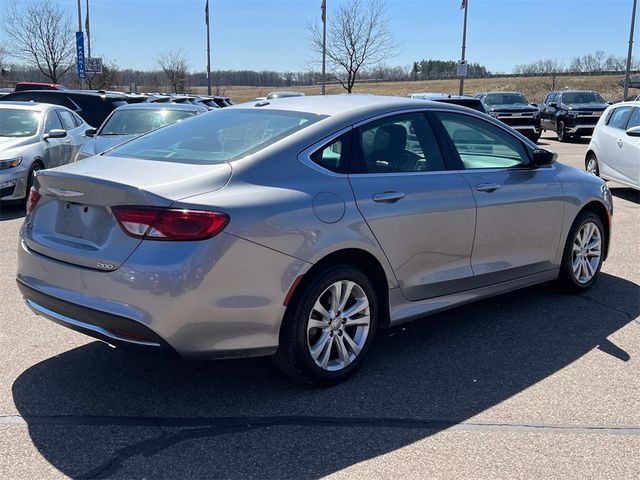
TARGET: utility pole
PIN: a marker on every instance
(630, 53)
(324, 44)
(465, 6)
(206, 19)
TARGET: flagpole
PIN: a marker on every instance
(464, 43)
(324, 44)
(208, 49)
(86, 27)
(630, 53)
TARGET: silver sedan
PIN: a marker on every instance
(300, 227)
(34, 136)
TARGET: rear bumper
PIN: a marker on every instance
(220, 298)
(113, 329)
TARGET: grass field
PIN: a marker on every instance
(534, 88)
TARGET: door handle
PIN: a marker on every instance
(487, 187)
(68, 140)
(620, 143)
(388, 197)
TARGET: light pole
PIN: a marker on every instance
(465, 5)
(86, 27)
(79, 36)
(324, 44)
(630, 53)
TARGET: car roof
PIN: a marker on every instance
(190, 107)
(334, 105)
(37, 107)
(502, 91)
(67, 93)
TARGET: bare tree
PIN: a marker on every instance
(358, 37)
(4, 55)
(40, 33)
(176, 69)
(109, 77)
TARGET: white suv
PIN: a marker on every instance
(614, 151)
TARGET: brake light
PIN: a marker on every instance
(152, 223)
(32, 200)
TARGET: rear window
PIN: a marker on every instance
(217, 137)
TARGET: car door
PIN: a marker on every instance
(75, 135)
(519, 208)
(53, 147)
(630, 150)
(421, 213)
(546, 111)
(611, 138)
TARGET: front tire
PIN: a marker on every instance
(583, 254)
(328, 327)
(591, 165)
(30, 179)
(561, 131)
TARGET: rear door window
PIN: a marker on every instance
(334, 156)
(619, 117)
(67, 119)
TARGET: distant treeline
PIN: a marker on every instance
(444, 69)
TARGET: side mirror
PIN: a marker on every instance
(90, 132)
(634, 132)
(55, 133)
(554, 104)
(535, 105)
(542, 157)
(610, 102)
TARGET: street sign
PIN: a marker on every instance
(94, 65)
(80, 55)
(462, 68)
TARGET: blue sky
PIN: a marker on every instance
(271, 34)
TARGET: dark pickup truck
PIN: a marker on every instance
(572, 113)
(513, 109)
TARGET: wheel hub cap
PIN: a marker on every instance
(587, 252)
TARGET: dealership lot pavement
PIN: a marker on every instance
(532, 384)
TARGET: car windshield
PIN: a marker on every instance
(581, 97)
(135, 122)
(18, 123)
(505, 99)
(217, 137)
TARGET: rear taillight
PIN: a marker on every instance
(32, 199)
(170, 224)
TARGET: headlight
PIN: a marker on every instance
(82, 155)
(10, 163)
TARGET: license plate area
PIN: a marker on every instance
(79, 221)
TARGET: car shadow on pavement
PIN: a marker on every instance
(625, 193)
(10, 211)
(96, 412)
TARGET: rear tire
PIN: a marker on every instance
(328, 327)
(583, 254)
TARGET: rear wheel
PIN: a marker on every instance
(328, 327)
(583, 254)
(591, 164)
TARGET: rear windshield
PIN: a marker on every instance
(135, 122)
(505, 99)
(18, 122)
(218, 136)
(582, 97)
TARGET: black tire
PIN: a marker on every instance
(534, 137)
(561, 132)
(567, 281)
(591, 157)
(32, 172)
(293, 356)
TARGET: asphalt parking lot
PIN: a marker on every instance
(532, 384)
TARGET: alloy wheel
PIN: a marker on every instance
(338, 325)
(586, 252)
(592, 166)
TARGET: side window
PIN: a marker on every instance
(67, 119)
(481, 144)
(550, 98)
(77, 120)
(53, 122)
(402, 143)
(335, 156)
(634, 121)
(618, 118)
